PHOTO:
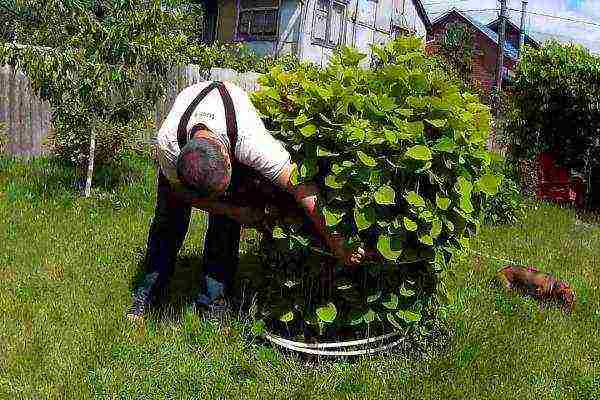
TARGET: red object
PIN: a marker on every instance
(555, 183)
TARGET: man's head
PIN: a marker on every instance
(204, 166)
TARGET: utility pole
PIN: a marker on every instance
(501, 37)
(522, 31)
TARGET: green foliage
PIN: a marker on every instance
(410, 170)
(506, 206)
(456, 47)
(557, 98)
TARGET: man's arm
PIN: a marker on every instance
(248, 216)
(306, 195)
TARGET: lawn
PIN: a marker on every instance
(68, 265)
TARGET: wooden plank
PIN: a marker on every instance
(4, 76)
(13, 112)
(27, 117)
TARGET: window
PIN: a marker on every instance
(329, 23)
(257, 19)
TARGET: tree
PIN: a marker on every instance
(97, 62)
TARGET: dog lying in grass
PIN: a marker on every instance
(539, 285)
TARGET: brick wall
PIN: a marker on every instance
(485, 52)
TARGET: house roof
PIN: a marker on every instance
(422, 14)
(509, 50)
(528, 38)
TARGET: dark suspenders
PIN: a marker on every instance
(230, 119)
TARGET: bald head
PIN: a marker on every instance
(204, 166)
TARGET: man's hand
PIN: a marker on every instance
(349, 256)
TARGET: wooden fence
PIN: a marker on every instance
(27, 118)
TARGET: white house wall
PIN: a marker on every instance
(366, 22)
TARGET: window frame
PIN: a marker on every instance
(326, 42)
(243, 37)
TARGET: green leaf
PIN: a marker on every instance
(287, 317)
(295, 175)
(436, 229)
(415, 200)
(426, 239)
(419, 152)
(327, 313)
(405, 292)
(443, 203)
(332, 218)
(308, 169)
(334, 182)
(464, 186)
(364, 217)
(391, 136)
(322, 152)
(385, 195)
(366, 159)
(445, 144)
(309, 130)
(301, 120)
(489, 183)
(389, 248)
(374, 297)
(278, 233)
(437, 123)
(408, 316)
(410, 225)
(369, 316)
(392, 302)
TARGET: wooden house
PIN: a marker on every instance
(312, 29)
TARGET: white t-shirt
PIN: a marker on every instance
(255, 147)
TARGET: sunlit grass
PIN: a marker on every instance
(67, 266)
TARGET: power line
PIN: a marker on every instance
(579, 21)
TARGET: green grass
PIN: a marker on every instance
(68, 265)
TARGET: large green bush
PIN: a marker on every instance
(398, 150)
(556, 96)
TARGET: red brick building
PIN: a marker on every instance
(485, 45)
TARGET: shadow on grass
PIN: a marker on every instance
(49, 177)
(185, 283)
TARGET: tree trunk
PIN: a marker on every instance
(90, 169)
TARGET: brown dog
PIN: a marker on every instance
(539, 285)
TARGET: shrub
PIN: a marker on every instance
(398, 150)
(557, 98)
(506, 206)
(3, 137)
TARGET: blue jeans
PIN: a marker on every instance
(167, 233)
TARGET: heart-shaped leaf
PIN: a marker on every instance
(443, 203)
(406, 292)
(445, 144)
(369, 316)
(436, 229)
(409, 224)
(408, 316)
(364, 217)
(374, 297)
(392, 302)
(278, 233)
(301, 120)
(327, 313)
(308, 130)
(366, 159)
(489, 184)
(419, 152)
(287, 317)
(334, 181)
(389, 248)
(332, 218)
(415, 200)
(426, 239)
(385, 195)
